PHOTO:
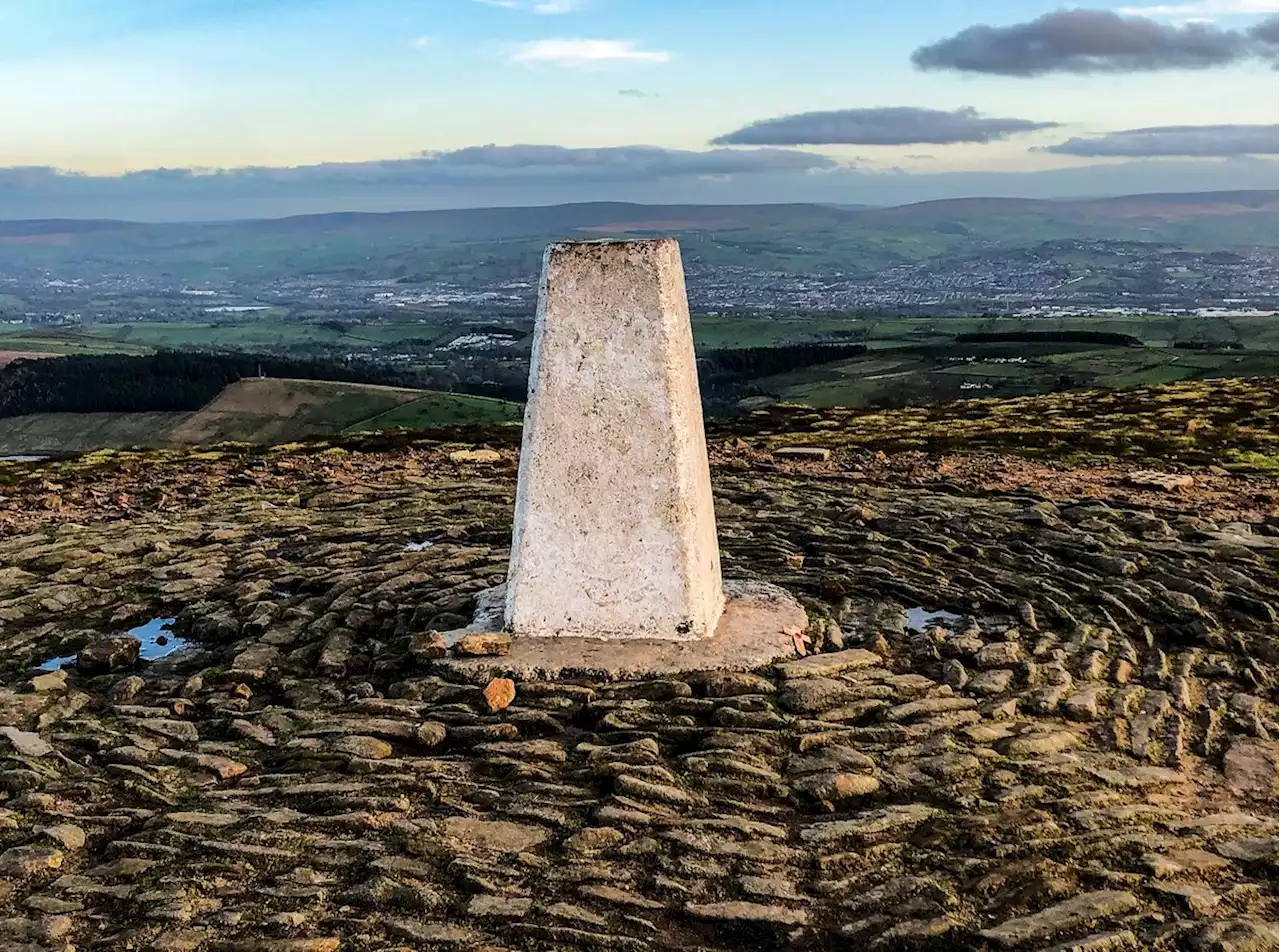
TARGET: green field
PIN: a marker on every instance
(260, 411)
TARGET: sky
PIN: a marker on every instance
(231, 108)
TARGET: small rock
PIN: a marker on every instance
(358, 745)
(28, 861)
(1169, 482)
(475, 456)
(499, 693)
(1077, 911)
(747, 912)
(67, 835)
(1236, 935)
(1000, 654)
(431, 733)
(480, 644)
(26, 743)
(833, 662)
(837, 785)
(110, 653)
(593, 839)
(52, 681)
(807, 453)
(427, 645)
(1250, 768)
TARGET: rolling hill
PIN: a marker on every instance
(259, 411)
(786, 236)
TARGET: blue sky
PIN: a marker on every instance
(108, 86)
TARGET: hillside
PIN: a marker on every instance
(508, 241)
(1036, 712)
(256, 410)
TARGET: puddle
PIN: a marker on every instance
(157, 643)
(418, 546)
(21, 458)
(918, 619)
(156, 640)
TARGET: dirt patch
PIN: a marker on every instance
(9, 356)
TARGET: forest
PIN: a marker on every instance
(168, 380)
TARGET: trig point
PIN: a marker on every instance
(615, 536)
(615, 566)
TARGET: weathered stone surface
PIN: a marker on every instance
(499, 693)
(1250, 768)
(747, 912)
(108, 653)
(825, 665)
(1084, 909)
(217, 814)
(483, 644)
(579, 519)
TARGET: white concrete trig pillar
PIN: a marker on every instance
(614, 533)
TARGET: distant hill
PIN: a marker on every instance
(260, 411)
(506, 241)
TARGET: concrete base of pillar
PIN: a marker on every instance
(760, 625)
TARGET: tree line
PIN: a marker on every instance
(168, 380)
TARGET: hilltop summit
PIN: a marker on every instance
(1036, 709)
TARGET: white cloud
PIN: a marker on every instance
(1203, 9)
(546, 7)
(557, 6)
(421, 42)
(580, 52)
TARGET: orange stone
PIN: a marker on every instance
(498, 693)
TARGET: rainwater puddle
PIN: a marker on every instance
(156, 640)
(419, 546)
(918, 619)
(157, 643)
(21, 458)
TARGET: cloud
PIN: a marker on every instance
(1202, 8)
(635, 162)
(506, 176)
(421, 42)
(1224, 140)
(637, 93)
(482, 164)
(1095, 41)
(1266, 33)
(885, 125)
(544, 7)
(579, 52)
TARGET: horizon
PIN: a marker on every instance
(757, 204)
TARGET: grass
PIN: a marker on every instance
(58, 433)
(1228, 422)
(257, 411)
(440, 410)
(65, 342)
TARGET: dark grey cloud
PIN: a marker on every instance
(504, 168)
(1267, 32)
(200, 195)
(884, 125)
(634, 162)
(1096, 41)
(1223, 140)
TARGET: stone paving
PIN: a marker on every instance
(1082, 756)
